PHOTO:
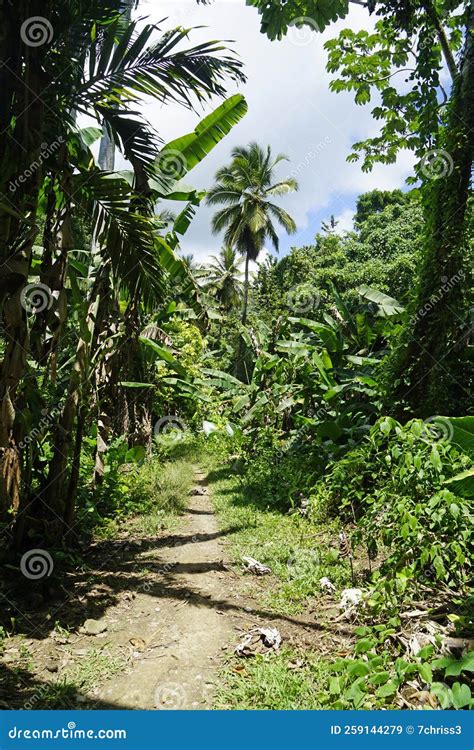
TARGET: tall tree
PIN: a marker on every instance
(224, 277)
(402, 61)
(88, 60)
(245, 187)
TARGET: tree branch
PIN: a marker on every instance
(443, 40)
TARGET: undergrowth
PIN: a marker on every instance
(298, 553)
(148, 492)
(402, 496)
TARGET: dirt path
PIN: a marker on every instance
(178, 633)
(150, 621)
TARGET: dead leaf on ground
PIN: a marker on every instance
(137, 643)
(240, 670)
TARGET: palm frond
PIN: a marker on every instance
(126, 238)
(133, 67)
(284, 218)
(283, 188)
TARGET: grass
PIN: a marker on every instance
(151, 497)
(92, 669)
(160, 489)
(298, 552)
(276, 682)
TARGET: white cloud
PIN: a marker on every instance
(253, 265)
(290, 108)
(345, 221)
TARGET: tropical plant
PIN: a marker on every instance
(100, 64)
(224, 278)
(246, 187)
(401, 61)
(383, 251)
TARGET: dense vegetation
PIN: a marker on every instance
(332, 384)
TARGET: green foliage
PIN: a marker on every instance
(375, 201)
(297, 554)
(148, 490)
(393, 485)
(375, 675)
(246, 189)
(382, 253)
(271, 683)
(224, 278)
(278, 15)
(374, 678)
(195, 146)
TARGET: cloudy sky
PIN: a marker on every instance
(290, 108)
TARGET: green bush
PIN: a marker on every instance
(392, 485)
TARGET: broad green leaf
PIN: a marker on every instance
(363, 645)
(326, 334)
(257, 405)
(462, 484)
(425, 672)
(130, 384)
(379, 678)
(135, 454)
(180, 156)
(90, 135)
(224, 378)
(467, 662)
(164, 354)
(358, 669)
(390, 688)
(462, 433)
(387, 305)
(461, 695)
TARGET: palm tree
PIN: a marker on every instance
(245, 188)
(225, 277)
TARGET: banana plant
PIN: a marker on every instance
(102, 67)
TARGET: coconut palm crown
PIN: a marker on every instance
(245, 188)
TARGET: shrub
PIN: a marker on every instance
(393, 485)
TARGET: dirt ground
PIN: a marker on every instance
(155, 617)
(181, 635)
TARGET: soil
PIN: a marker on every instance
(183, 636)
(165, 612)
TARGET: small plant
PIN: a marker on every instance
(60, 630)
(377, 673)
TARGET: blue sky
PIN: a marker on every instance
(290, 108)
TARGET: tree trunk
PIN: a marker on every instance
(70, 504)
(22, 124)
(431, 366)
(246, 290)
